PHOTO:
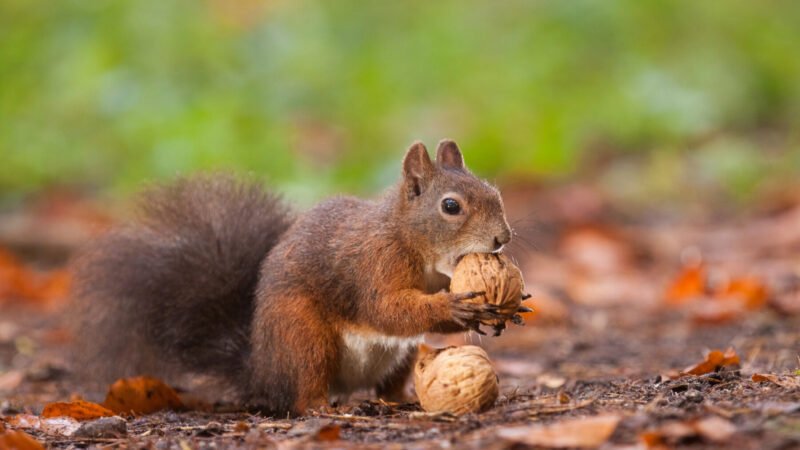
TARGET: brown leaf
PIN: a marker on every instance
(18, 440)
(787, 381)
(79, 410)
(788, 303)
(596, 250)
(710, 429)
(587, 432)
(24, 421)
(141, 395)
(328, 433)
(713, 311)
(715, 429)
(59, 426)
(715, 359)
(10, 380)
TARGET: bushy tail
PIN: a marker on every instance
(172, 292)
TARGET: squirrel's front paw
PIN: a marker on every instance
(469, 314)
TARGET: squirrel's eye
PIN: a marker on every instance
(451, 206)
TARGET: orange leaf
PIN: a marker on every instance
(689, 284)
(749, 290)
(54, 286)
(79, 410)
(328, 433)
(787, 381)
(18, 282)
(714, 360)
(141, 395)
(18, 440)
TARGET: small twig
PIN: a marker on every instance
(437, 416)
(344, 417)
(279, 425)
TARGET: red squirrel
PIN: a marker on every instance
(217, 276)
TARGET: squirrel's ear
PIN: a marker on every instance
(417, 169)
(448, 156)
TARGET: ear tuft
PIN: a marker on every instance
(418, 169)
(448, 156)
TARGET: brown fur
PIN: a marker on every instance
(347, 267)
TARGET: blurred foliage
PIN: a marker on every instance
(318, 94)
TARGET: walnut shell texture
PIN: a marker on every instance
(493, 273)
(458, 380)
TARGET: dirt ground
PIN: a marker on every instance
(624, 307)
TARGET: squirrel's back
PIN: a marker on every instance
(173, 291)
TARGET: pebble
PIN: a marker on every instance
(105, 427)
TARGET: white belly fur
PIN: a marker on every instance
(368, 357)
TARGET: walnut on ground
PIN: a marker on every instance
(458, 380)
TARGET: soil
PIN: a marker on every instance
(604, 341)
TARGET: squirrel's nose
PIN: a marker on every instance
(502, 239)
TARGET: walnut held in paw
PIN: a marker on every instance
(494, 274)
(457, 380)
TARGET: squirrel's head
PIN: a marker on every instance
(449, 210)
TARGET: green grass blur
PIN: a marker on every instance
(323, 95)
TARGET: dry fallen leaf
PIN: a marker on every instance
(587, 432)
(688, 285)
(787, 381)
(328, 433)
(24, 421)
(10, 380)
(596, 250)
(18, 282)
(788, 303)
(713, 311)
(714, 360)
(748, 290)
(79, 410)
(18, 440)
(57, 426)
(710, 429)
(141, 395)
(728, 299)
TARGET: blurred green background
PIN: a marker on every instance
(321, 96)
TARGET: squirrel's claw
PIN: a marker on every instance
(476, 327)
(524, 309)
(526, 296)
(498, 328)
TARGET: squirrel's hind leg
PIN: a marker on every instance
(294, 354)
